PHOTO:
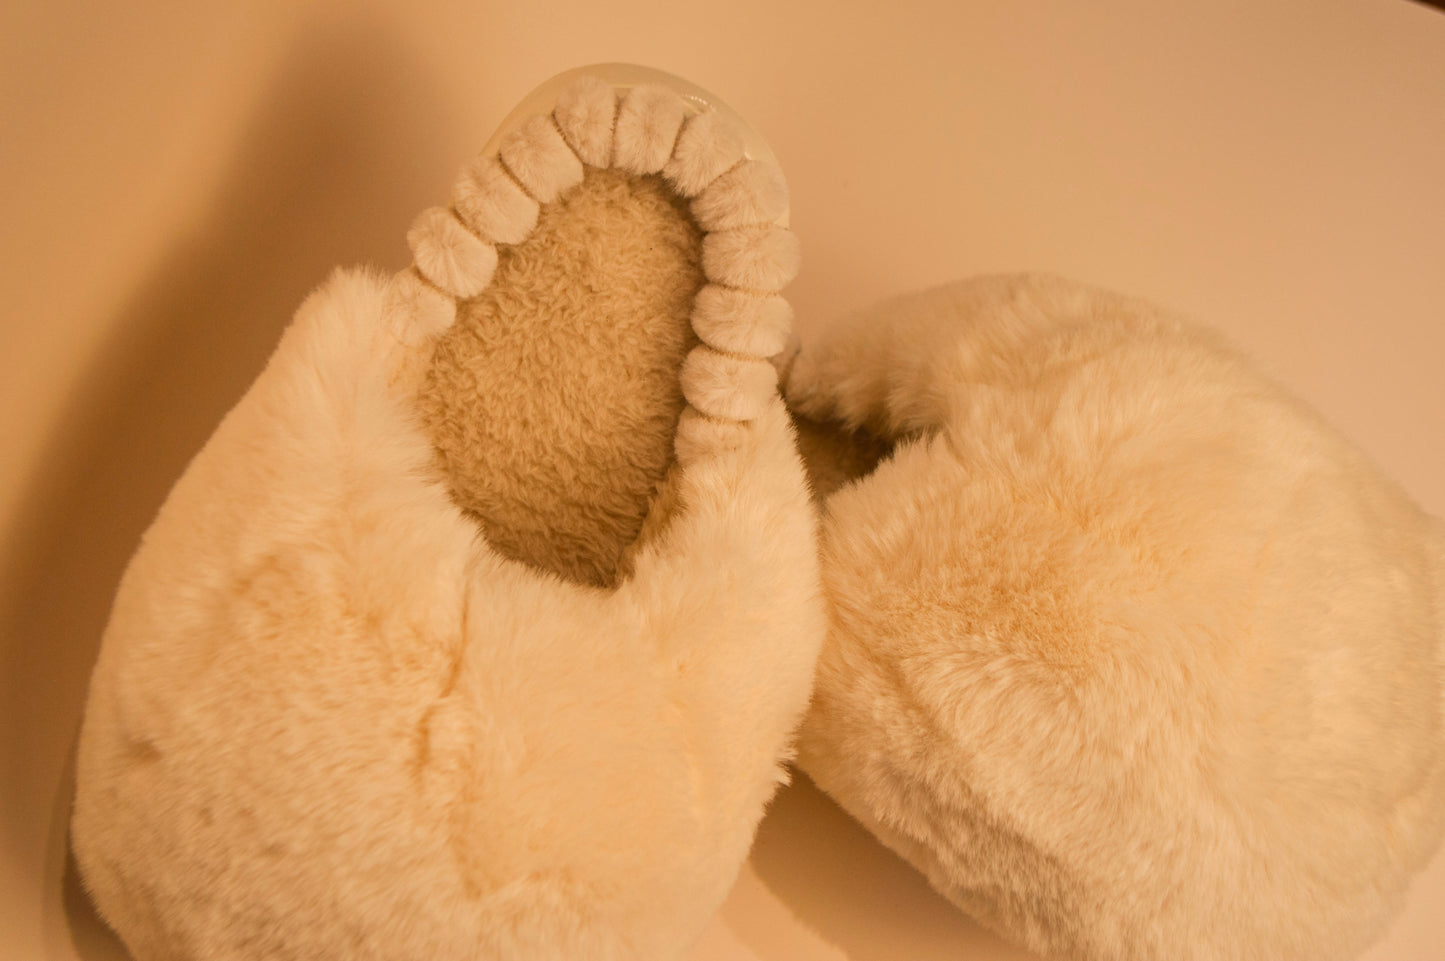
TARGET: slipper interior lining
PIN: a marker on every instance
(554, 398)
(581, 335)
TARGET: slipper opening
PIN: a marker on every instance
(614, 262)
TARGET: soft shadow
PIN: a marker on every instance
(89, 937)
(852, 891)
(834, 456)
(337, 161)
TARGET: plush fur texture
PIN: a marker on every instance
(648, 121)
(493, 204)
(333, 719)
(706, 148)
(449, 255)
(585, 113)
(417, 310)
(727, 386)
(742, 322)
(1130, 653)
(700, 436)
(329, 721)
(760, 258)
(540, 159)
(753, 192)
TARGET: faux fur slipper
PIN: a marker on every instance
(1130, 654)
(480, 626)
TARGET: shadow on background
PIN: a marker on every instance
(336, 163)
(852, 891)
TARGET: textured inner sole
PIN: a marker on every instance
(554, 399)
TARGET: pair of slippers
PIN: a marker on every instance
(485, 624)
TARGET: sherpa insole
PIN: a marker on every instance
(554, 399)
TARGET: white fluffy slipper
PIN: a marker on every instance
(481, 625)
(1129, 652)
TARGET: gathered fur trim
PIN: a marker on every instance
(763, 257)
(742, 322)
(585, 113)
(700, 437)
(648, 121)
(753, 192)
(540, 159)
(705, 149)
(449, 255)
(722, 385)
(736, 200)
(415, 309)
(493, 203)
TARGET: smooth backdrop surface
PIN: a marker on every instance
(174, 177)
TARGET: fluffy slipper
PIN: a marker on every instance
(479, 627)
(1129, 653)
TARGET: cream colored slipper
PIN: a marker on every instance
(481, 625)
(576, 250)
(1129, 653)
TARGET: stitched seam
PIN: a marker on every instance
(734, 355)
(428, 282)
(502, 165)
(750, 291)
(507, 169)
(563, 137)
(457, 216)
(714, 419)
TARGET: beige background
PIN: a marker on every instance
(176, 176)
